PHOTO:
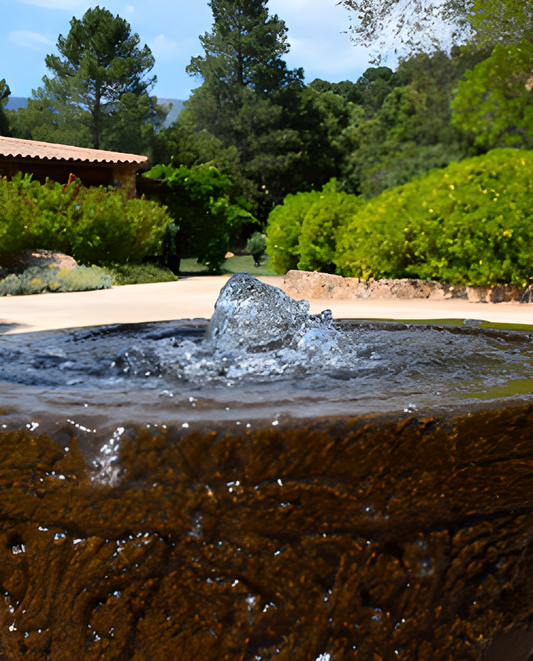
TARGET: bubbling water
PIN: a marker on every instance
(258, 332)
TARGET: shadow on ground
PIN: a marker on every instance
(6, 326)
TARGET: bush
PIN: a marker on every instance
(39, 279)
(284, 229)
(327, 217)
(199, 202)
(138, 274)
(302, 233)
(256, 246)
(94, 225)
(469, 223)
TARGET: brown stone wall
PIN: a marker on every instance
(307, 284)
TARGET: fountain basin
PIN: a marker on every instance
(372, 503)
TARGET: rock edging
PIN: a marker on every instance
(310, 284)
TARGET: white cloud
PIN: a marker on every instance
(317, 41)
(130, 9)
(29, 40)
(164, 47)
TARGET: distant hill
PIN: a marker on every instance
(177, 107)
(16, 102)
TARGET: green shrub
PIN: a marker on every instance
(38, 279)
(94, 225)
(327, 218)
(469, 223)
(138, 274)
(10, 286)
(284, 229)
(198, 200)
(256, 246)
(302, 232)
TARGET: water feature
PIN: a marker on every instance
(268, 484)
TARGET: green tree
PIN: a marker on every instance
(98, 92)
(4, 96)
(409, 131)
(494, 21)
(321, 226)
(495, 101)
(284, 229)
(198, 200)
(243, 50)
(237, 115)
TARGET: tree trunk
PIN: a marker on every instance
(97, 114)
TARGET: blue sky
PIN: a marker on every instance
(29, 30)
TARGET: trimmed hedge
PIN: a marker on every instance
(94, 225)
(470, 223)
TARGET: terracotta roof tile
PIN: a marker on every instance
(17, 148)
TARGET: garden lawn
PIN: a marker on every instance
(237, 264)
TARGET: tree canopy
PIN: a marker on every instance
(237, 119)
(495, 101)
(384, 26)
(97, 93)
(431, 25)
(244, 48)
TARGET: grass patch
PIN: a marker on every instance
(237, 264)
(138, 274)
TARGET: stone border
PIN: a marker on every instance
(310, 284)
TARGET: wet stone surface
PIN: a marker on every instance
(267, 485)
(411, 537)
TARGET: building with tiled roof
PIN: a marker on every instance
(95, 167)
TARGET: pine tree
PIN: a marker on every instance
(242, 66)
(97, 93)
(238, 110)
(245, 47)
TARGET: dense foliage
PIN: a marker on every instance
(386, 26)
(284, 229)
(254, 141)
(198, 200)
(303, 232)
(97, 94)
(469, 223)
(94, 225)
(495, 100)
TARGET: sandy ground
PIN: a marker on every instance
(196, 296)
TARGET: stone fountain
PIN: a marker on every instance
(266, 485)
